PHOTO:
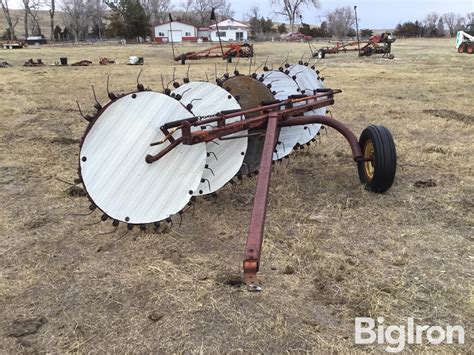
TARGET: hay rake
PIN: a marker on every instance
(147, 155)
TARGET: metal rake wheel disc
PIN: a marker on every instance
(251, 93)
(224, 157)
(112, 160)
(283, 86)
(308, 81)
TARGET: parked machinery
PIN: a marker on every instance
(465, 40)
(378, 44)
(224, 51)
(146, 156)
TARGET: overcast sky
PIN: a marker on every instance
(372, 13)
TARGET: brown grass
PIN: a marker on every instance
(407, 253)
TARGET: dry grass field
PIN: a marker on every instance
(332, 250)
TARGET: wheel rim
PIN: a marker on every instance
(368, 151)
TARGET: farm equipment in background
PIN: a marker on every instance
(226, 51)
(465, 40)
(378, 44)
(15, 44)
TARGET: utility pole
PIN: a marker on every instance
(357, 30)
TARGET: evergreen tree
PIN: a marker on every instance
(128, 19)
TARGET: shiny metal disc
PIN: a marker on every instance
(283, 86)
(308, 81)
(113, 167)
(224, 157)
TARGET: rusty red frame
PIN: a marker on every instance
(270, 117)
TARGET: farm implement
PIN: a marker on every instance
(224, 51)
(378, 44)
(147, 156)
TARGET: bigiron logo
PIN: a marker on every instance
(396, 336)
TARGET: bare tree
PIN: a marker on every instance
(459, 23)
(186, 5)
(431, 21)
(11, 23)
(157, 10)
(340, 21)
(52, 10)
(75, 18)
(450, 21)
(203, 9)
(469, 18)
(33, 12)
(253, 17)
(26, 6)
(291, 9)
(95, 10)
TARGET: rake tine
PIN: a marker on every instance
(98, 105)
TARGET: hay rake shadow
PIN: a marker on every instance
(146, 155)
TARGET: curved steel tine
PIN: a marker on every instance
(99, 106)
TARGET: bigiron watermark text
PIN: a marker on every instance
(396, 336)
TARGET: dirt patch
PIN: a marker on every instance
(22, 327)
(65, 140)
(425, 183)
(451, 115)
(232, 280)
(75, 191)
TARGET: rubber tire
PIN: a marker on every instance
(462, 48)
(470, 49)
(321, 54)
(385, 157)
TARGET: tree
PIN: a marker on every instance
(469, 18)
(57, 33)
(11, 25)
(282, 28)
(128, 19)
(440, 27)
(366, 32)
(157, 10)
(26, 6)
(31, 11)
(252, 16)
(95, 10)
(431, 21)
(351, 32)
(290, 9)
(450, 19)
(340, 21)
(409, 29)
(203, 8)
(76, 19)
(52, 9)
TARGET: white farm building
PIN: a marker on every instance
(229, 30)
(175, 31)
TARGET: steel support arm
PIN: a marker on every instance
(253, 246)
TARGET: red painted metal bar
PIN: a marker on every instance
(196, 121)
(188, 137)
(253, 246)
(250, 123)
(331, 122)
